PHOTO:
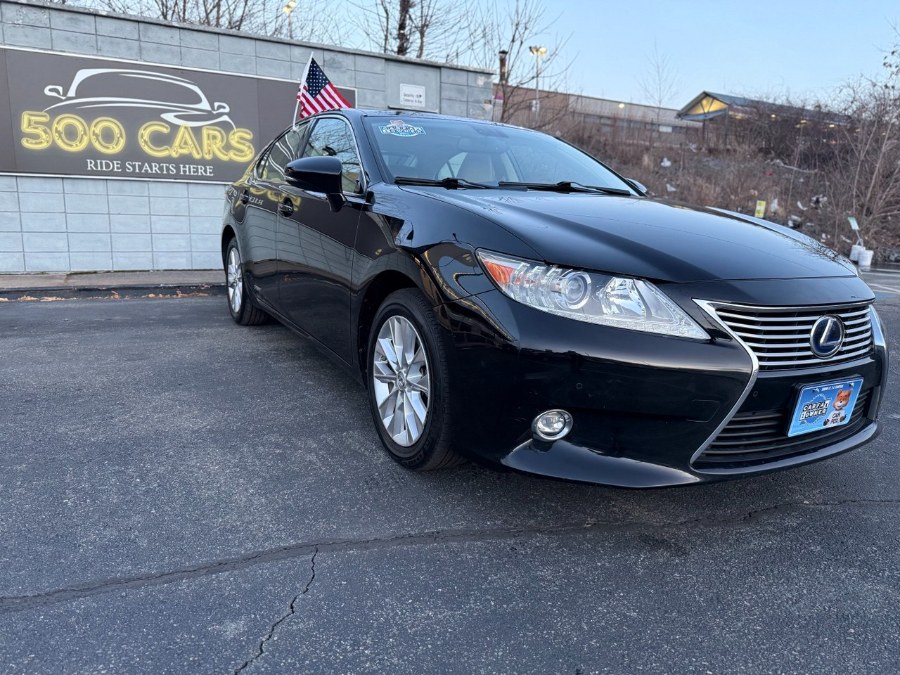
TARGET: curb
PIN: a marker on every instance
(111, 292)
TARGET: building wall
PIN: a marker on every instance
(583, 118)
(60, 224)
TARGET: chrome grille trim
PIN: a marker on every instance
(815, 311)
(709, 308)
(779, 336)
(753, 440)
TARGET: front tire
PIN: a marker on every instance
(240, 305)
(409, 383)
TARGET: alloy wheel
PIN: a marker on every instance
(235, 280)
(401, 380)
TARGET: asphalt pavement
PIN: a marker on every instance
(180, 494)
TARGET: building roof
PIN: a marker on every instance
(708, 105)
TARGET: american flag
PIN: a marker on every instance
(316, 93)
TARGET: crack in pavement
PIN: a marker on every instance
(284, 617)
(463, 535)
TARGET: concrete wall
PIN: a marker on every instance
(50, 224)
(60, 224)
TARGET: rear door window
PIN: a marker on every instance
(282, 151)
(285, 149)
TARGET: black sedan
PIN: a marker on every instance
(503, 295)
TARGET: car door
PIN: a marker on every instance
(315, 242)
(263, 195)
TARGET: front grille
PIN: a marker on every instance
(755, 438)
(779, 337)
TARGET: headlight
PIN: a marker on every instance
(621, 302)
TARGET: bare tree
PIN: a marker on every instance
(466, 31)
(440, 28)
(403, 10)
(659, 85)
(514, 28)
(865, 179)
(263, 17)
(426, 19)
(425, 29)
(383, 30)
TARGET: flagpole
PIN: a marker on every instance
(302, 82)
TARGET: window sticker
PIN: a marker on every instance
(402, 129)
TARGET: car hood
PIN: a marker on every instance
(642, 237)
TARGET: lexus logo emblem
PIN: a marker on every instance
(826, 336)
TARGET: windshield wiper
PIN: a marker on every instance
(567, 186)
(450, 182)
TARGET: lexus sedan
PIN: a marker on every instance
(505, 296)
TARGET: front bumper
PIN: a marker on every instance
(646, 407)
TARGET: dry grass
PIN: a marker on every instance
(737, 179)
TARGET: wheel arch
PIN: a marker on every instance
(228, 233)
(377, 290)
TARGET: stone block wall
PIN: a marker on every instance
(51, 224)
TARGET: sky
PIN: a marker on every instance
(799, 49)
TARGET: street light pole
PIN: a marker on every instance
(288, 9)
(539, 52)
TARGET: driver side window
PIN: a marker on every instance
(332, 137)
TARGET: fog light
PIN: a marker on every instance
(552, 425)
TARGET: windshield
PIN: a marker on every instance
(437, 149)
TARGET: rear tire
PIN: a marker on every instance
(408, 379)
(240, 304)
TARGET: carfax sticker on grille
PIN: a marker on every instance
(824, 406)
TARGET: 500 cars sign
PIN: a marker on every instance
(85, 116)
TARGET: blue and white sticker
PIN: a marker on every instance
(402, 129)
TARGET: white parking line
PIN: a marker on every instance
(882, 287)
(881, 273)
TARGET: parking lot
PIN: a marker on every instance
(181, 494)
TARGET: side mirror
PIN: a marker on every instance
(219, 107)
(637, 185)
(318, 174)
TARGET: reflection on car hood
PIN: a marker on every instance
(646, 238)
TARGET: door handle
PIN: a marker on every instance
(286, 208)
(245, 196)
